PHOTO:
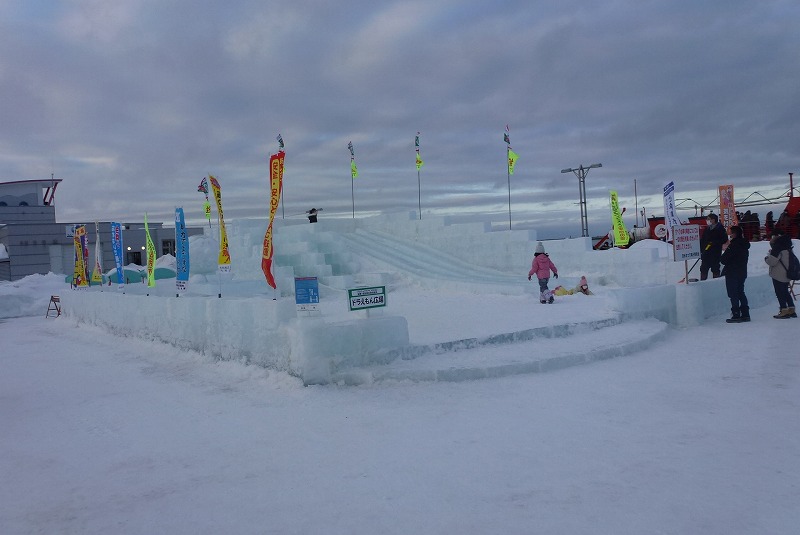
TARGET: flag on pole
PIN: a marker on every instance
(621, 237)
(97, 272)
(151, 255)
(280, 142)
(181, 252)
(116, 245)
(224, 259)
(353, 168)
(512, 161)
(420, 163)
(506, 136)
(727, 207)
(79, 273)
(203, 188)
(276, 163)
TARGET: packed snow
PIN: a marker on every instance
(691, 429)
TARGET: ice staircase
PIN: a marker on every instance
(537, 350)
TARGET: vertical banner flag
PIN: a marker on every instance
(670, 216)
(276, 162)
(151, 255)
(353, 168)
(727, 208)
(203, 188)
(97, 272)
(512, 160)
(512, 156)
(181, 252)
(79, 273)
(621, 237)
(224, 260)
(116, 245)
(420, 163)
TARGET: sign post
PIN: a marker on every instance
(685, 245)
(306, 294)
(366, 298)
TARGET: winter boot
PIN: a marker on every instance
(745, 314)
(735, 318)
(783, 314)
(553, 299)
(791, 312)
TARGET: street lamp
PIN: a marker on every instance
(580, 172)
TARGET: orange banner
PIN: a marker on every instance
(276, 187)
(727, 208)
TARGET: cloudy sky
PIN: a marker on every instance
(132, 102)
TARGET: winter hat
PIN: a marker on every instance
(539, 247)
(583, 282)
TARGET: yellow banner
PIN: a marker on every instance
(224, 260)
(420, 163)
(353, 169)
(151, 255)
(512, 161)
(79, 274)
(621, 237)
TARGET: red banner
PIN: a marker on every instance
(276, 186)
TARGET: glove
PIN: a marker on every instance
(555, 275)
(529, 277)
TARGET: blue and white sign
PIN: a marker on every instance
(181, 252)
(306, 293)
(116, 245)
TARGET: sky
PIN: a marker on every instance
(132, 103)
(110, 434)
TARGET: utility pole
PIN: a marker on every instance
(581, 172)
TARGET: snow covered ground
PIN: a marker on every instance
(695, 433)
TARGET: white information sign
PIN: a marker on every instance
(685, 242)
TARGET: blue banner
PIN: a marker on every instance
(181, 251)
(116, 245)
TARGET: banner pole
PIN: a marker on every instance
(508, 173)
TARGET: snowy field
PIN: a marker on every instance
(695, 433)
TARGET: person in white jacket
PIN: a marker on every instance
(778, 262)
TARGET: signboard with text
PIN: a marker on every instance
(685, 242)
(306, 293)
(362, 298)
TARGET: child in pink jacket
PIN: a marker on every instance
(541, 267)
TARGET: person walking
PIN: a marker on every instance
(541, 267)
(711, 242)
(735, 272)
(778, 262)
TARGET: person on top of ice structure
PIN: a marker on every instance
(541, 267)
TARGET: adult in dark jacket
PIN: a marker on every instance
(778, 262)
(735, 260)
(711, 242)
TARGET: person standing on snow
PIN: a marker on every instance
(711, 242)
(778, 262)
(735, 260)
(541, 267)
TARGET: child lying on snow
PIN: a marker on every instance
(582, 287)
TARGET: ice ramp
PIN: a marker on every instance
(429, 266)
(536, 350)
